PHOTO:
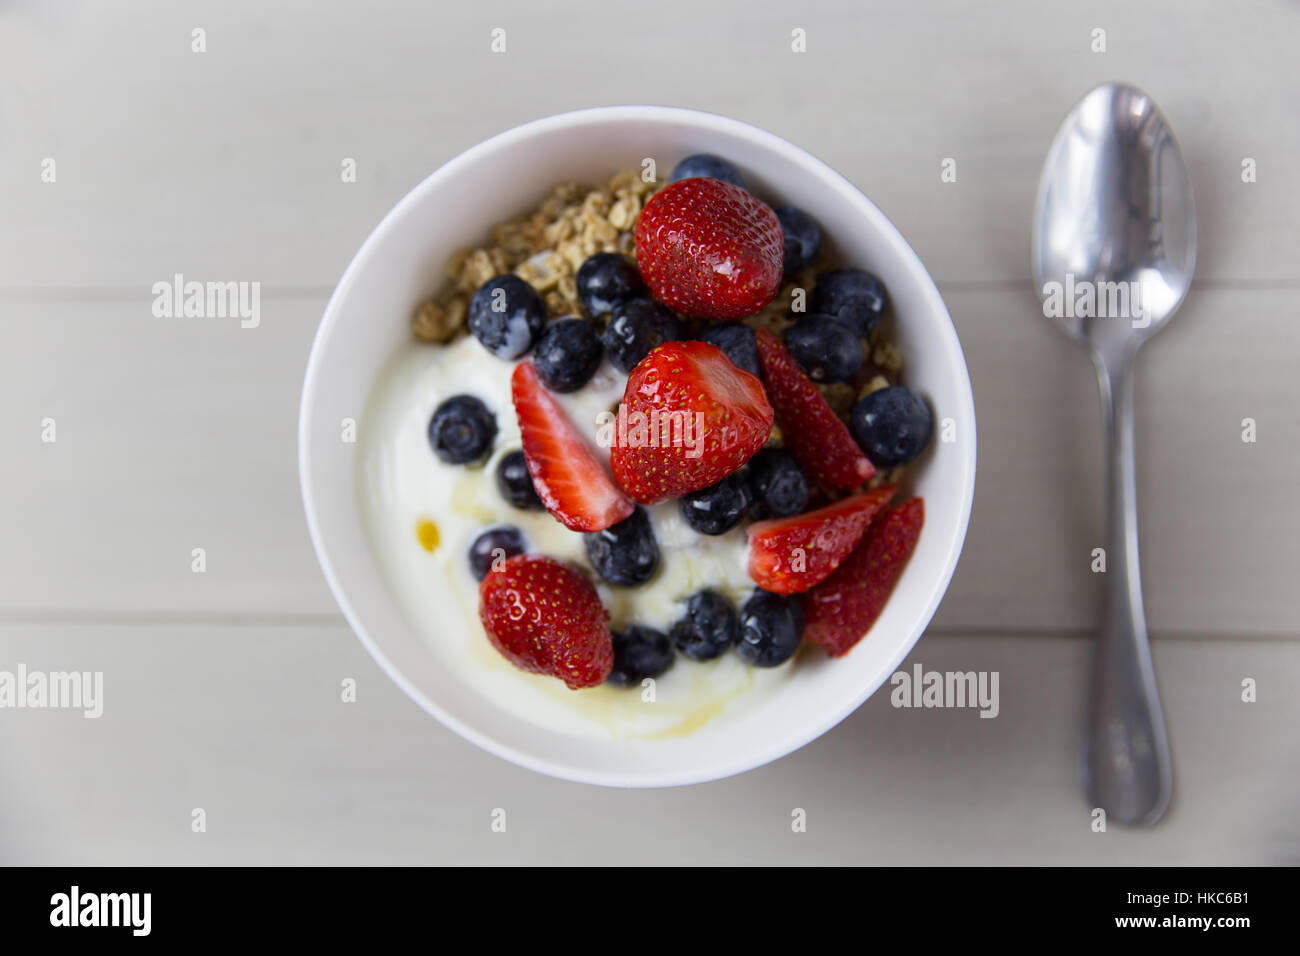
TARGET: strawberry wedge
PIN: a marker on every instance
(810, 429)
(790, 555)
(841, 610)
(571, 482)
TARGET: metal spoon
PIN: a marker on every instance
(1115, 213)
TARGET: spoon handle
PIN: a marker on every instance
(1127, 764)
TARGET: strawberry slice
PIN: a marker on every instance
(689, 418)
(840, 611)
(710, 249)
(571, 482)
(810, 429)
(546, 618)
(790, 555)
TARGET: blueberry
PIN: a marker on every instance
(709, 627)
(507, 316)
(770, 628)
(827, 350)
(852, 296)
(625, 553)
(706, 164)
(515, 483)
(605, 280)
(462, 429)
(737, 341)
(778, 484)
(495, 544)
(635, 328)
(718, 508)
(639, 652)
(803, 237)
(568, 354)
(892, 425)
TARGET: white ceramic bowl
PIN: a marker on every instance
(401, 262)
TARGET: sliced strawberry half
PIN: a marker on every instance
(790, 555)
(546, 618)
(571, 482)
(810, 429)
(841, 610)
(689, 418)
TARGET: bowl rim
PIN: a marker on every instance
(359, 263)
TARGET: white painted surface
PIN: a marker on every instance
(222, 689)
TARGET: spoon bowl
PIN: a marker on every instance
(1115, 219)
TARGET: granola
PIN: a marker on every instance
(545, 248)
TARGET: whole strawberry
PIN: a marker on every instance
(710, 249)
(689, 418)
(841, 610)
(546, 618)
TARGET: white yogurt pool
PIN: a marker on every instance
(403, 483)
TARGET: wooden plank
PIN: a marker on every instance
(171, 435)
(1219, 538)
(180, 433)
(247, 724)
(228, 163)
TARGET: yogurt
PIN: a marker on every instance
(404, 484)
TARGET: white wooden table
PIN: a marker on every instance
(222, 688)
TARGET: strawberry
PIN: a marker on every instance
(839, 611)
(689, 418)
(810, 429)
(546, 618)
(572, 484)
(710, 249)
(790, 555)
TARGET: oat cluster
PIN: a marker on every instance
(545, 248)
